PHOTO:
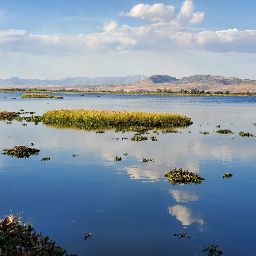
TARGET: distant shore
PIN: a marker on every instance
(160, 93)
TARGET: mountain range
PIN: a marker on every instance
(140, 83)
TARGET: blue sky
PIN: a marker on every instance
(60, 38)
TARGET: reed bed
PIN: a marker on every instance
(103, 119)
(40, 96)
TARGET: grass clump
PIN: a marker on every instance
(224, 131)
(99, 119)
(246, 134)
(9, 116)
(21, 152)
(22, 240)
(40, 96)
(181, 176)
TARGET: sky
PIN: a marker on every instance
(68, 38)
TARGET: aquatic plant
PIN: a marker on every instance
(182, 235)
(46, 158)
(213, 250)
(40, 96)
(153, 138)
(138, 137)
(22, 240)
(87, 236)
(21, 151)
(246, 134)
(224, 131)
(204, 133)
(118, 158)
(227, 175)
(9, 116)
(169, 131)
(181, 176)
(99, 119)
(146, 160)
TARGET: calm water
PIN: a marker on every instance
(128, 206)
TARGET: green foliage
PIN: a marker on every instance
(181, 176)
(21, 151)
(17, 239)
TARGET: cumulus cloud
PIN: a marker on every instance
(153, 12)
(163, 30)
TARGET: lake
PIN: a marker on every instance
(129, 207)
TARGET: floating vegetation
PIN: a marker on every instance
(46, 158)
(22, 240)
(246, 134)
(169, 131)
(100, 131)
(225, 131)
(181, 176)
(146, 160)
(218, 126)
(87, 236)
(121, 120)
(21, 152)
(118, 158)
(138, 137)
(9, 116)
(153, 138)
(204, 133)
(40, 96)
(213, 250)
(227, 175)
(182, 235)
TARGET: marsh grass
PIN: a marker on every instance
(181, 176)
(21, 239)
(121, 120)
(40, 96)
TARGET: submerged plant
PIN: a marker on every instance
(17, 239)
(224, 131)
(246, 134)
(181, 176)
(213, 250)
(204, 133)
(21, 151)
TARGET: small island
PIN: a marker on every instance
(40, 96)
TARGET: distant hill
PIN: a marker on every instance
(159, 79)
(75, 81)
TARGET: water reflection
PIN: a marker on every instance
(183, 196)
(185, 215)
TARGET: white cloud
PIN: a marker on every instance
(110, 26)
(155, 12)
(183, 196)
(187, 9)
(197, 17)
